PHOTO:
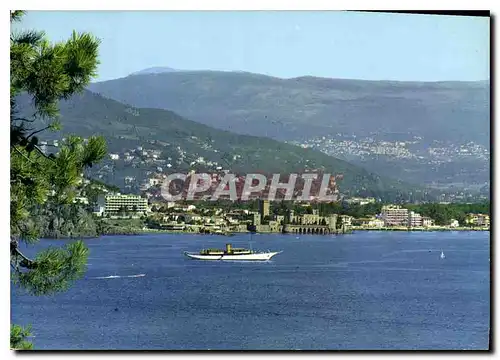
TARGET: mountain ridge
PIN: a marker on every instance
(174, 138)
(444, 114)
(291, 109)
(154, 70)
(166, 69)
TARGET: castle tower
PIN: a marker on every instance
(264, 208)
(332, 221)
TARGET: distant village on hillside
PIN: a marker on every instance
(158, 167)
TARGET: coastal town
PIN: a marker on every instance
(301, 217)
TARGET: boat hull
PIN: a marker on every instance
(242, 257)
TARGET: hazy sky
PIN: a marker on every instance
(284, 44)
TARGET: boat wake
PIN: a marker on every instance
(249, 261)
(119, 276)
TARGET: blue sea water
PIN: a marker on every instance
(363, 291)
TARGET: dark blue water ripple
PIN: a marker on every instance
(368, 290)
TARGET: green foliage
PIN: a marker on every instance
(444, 213)
(65, 220)
(354, 210)
(49, 72)
(94, 182)
(152, 223)
(15, 15)
(122, 226)
(95, 149)
(18, 336)
(44, 185)
(54, 269)
(93, 189)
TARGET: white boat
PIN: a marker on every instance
(442, 255)
(232, 254)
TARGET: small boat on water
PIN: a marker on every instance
(442, 255)
(233, 254)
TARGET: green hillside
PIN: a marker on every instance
(184, 141)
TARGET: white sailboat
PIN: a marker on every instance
(442, 255)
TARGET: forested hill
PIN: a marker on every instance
(181, 143)
(305, 107)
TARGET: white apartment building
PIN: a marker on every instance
(414, 219)
(394, 215)
(131, 203)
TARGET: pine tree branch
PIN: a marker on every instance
(16, 15)
(41, 152)
(38, 131)
(25, 262)
(20, 153)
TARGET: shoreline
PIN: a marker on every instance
(433, 229)
(229, 234)
(147, 232)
